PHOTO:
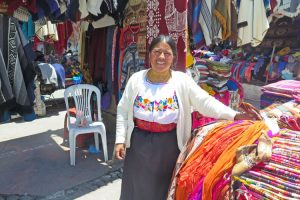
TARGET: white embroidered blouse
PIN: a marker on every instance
(156, 102)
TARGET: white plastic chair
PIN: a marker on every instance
(82, 95)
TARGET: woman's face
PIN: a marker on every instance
(161, 57)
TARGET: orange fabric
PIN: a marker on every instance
(224, 193)
(227, 158)
(153, 126)
(196, 164)
(216, 150)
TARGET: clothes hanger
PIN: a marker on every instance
(134, 28)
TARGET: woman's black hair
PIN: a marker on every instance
(167, 39)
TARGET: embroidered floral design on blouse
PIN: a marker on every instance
(170, 103)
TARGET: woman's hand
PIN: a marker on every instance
(120, 151)
(249, 112)
(247, 116)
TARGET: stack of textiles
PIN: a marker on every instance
(200, 64)
(231, 94)
(204, 166)
(277, 179)
(281, 91)
(219, 70)
(287, 114)
(216, 82)
(216, 79)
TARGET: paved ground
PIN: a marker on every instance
(34, 161)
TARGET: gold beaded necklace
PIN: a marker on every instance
(155, 77)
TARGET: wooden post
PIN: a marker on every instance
(267, 69)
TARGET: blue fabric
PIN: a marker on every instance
(197, 35)
(28, 28)
(29, 116)
(281, 66)
(60, 71)
(232, 86)
(108, 61)
(107, 96)
(258, 65)
(72, 10)
(5, 117)
(53, 5)
(287, 75)
(40, 8)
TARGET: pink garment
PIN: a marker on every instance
(218, 187)
(291, 87)
(297, 97)
(292, 121)
(199, 120)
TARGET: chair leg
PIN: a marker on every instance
(104, 145)
(96, 138)
(65, 129)
(72, 144)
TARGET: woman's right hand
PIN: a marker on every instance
(120, 151)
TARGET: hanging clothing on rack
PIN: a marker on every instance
(131, 64)
(253, 15)
(18, 67)
(6, 93)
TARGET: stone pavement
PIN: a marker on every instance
(34, 161)
(97, 188)
(111, 191)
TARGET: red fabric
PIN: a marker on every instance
(153, 126)
(14, 4)
(128, 36)
(273, 3)
(175, 25)
(96, 55)
(36, 41)
(31, 5)
(69, 29)
(64, 31)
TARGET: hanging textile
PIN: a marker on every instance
(196, 35)
(253, 15)
(210, 26)
(96, 55)
(131, 64)
(18, 68)
(223, 13)
(6, 92)
(135, 19)
(169, 17)
(290, 8)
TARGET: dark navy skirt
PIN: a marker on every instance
(149, 165)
